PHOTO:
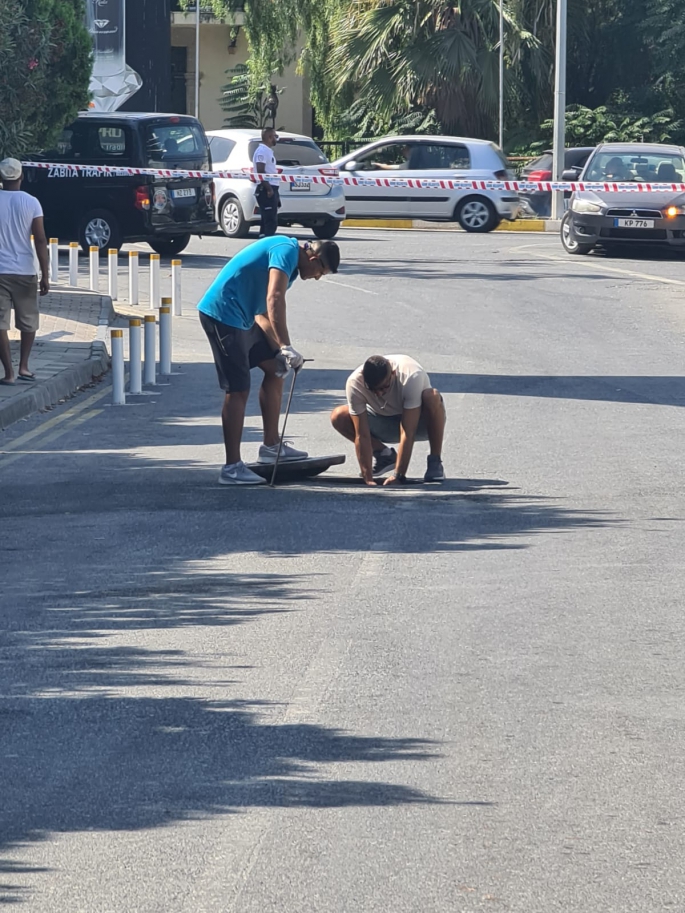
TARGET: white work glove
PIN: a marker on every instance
(283, 366)
(292, 357)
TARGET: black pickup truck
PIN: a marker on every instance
(108, 209)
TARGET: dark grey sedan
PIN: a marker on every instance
(598, 217)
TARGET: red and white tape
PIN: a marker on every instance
(67, 170)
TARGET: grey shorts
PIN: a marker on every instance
(20, 293)
(387, 428)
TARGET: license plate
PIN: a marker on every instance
(299, 188)
(183, 192)
(633, 223)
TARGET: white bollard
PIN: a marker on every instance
(113, 270)
(54, 260)
(177, 309)
(73, 263)
(94, 268)
(118, 391)
(135, 365)
(36, 264)
(133, 277)
(154, 281)
(165, 337)
(150, 370)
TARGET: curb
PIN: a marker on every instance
(49, 392)
(546, 225)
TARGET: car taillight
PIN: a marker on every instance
(142, 198)
(341, 211)
(501, 175)
(539, 176)
(329, 172)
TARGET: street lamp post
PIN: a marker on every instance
(559, 107)
(501, 74)
(197, 58)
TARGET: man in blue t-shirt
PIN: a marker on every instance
(243, 315)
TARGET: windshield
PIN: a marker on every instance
(171, 144)
(652, 168)
(294, 152)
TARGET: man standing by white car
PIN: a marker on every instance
(267, 194)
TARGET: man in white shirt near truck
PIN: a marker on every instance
(390, 400)
(21, 216)
(267, 193)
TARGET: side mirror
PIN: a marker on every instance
(571, 174)
(351, 166)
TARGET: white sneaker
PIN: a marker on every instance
(288, 452)
(239, 474)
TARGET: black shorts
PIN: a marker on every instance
(236, 352)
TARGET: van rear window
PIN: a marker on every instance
(169, 144)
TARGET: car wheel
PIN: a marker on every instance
(232, 220)
(170, 246)
(99, 228)
(328, 230)
(571, 246)
(477, 214)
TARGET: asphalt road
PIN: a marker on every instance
(325, 698)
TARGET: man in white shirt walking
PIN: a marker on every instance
(266, 193)
(21, 216)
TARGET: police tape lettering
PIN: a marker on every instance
(70, 171)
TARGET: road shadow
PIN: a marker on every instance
(87, 745)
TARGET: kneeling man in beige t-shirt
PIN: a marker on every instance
(390, 400)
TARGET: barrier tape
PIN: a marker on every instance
(64, 170)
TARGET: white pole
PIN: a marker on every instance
(154, 281)
(559, 108)
(177, 309)
(94, 269)
(73, 263)
(165, 337)
(135, 365)
(501, 74)
(133, 277)
(118, 391)
(150, 370)
(113, 264)
(54, 260)
(197, 58)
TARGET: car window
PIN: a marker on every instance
(652, 167)
(429, 156)
(221, 148)
(392, 155)
(72, 144)
(166, 143)
(291, 153)
(112, 142)
(544, 162)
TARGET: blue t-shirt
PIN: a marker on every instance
(238, 293)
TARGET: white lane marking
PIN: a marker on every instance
(355, 288)
(600, 267)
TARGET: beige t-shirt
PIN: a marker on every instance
(405, 391)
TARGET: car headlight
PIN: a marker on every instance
(672, 211)
(585, 206)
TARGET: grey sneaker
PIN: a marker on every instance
(239, 474)
(288, 452)
(383, 461)
(435, 471)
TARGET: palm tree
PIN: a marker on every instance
(401, 56)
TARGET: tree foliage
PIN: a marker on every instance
(45, 66)
(375, 64)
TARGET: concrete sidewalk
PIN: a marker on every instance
(69, 351)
